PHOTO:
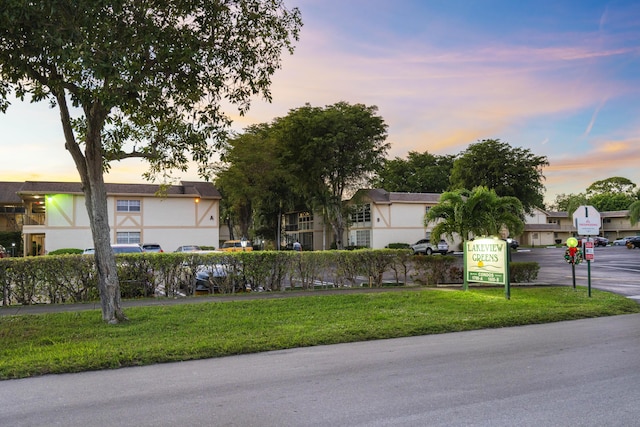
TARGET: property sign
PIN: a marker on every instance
(587, 220)
(485, 261)
(589, 253)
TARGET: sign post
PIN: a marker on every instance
(573, 256)
(587, 221)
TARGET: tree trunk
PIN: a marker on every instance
(108, 284)
(336, 220)
(90, 168)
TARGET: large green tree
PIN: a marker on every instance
(611, 194)
(634, 212)
(419, 173)
(255, 185)
(514, 172)
(475, 213)
(615, 185)
(143, 79)
(569, 202)
(331, 151)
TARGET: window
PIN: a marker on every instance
(305, 221)
(127, 237)
(361, 214)
(363, 238)
(128, 205)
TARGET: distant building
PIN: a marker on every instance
(544, 228)
(382, 217)
(378, 218)
(52, 215)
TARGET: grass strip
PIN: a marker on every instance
(80, 341)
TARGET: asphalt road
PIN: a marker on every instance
(578, 373)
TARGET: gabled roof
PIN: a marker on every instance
(541, 227)
(556, 214)
(615, 214)
(203, 190)
(9, 193)
(381, 197)
(607, 214)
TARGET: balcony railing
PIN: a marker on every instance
(34, 219)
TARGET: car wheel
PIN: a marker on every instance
(428, 251)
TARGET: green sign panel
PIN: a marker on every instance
(486, 260)
(486, 277)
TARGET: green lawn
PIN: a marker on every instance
(80, 341)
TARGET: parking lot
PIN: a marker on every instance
(615, 268)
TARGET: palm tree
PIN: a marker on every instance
(474, 213)
(634, 212)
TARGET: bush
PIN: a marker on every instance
(66, 251)
(524, 272)
(398, 246)
(434, 270)
(73, 278)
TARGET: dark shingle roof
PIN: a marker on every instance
(555, 214)
(541, 227)
(381, 196)
(9, 193)
(204, 190)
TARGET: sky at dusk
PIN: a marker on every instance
(560, 78)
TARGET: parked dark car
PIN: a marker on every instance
(513, 243)
(219, 279)
(600, 241)
(634, 242)
(126, 248)
(597, 240)
(122, 248)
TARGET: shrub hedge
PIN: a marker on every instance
(73, 278)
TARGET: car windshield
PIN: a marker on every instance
(126, 249)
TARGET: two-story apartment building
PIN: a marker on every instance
(544, 228)
(53, 215)
(378, 218)
(381, 217)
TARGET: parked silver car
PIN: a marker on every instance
(622, 241)
(425, 247)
